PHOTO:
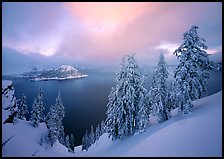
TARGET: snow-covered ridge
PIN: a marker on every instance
(65, 68)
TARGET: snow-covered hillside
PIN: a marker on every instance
(196, 134)
(21, 138)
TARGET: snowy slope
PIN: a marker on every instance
(23, 138)
(196, 134)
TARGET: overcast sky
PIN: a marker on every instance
(94, 33)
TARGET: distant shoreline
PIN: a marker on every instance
(57, 78)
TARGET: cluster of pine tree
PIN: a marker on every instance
(90, 138)
(70, 143)
(131, 105)
(53, 120)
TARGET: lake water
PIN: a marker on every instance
(85, 99)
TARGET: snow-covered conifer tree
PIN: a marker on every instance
(52, 125)
(54, 120)
(60, 115)
(123, 106)
(37, 115)
(35, 118)
(68, 144)
(158, 92)
(85, 141)
(143, 110)
(98, 132)
(92, 136)
(143, 107)
(72, 141)
(40, 105)
(22, 108)
(102, 128)
(112, 121)
(190, 74)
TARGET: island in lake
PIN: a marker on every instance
(63, 72)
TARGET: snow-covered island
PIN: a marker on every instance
(63, 72)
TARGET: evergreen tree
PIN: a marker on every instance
(144, 109)
(92, 136)
(190, 74)
(113, 123)
(52, 125)
(102, 128)
(85, 141)
(60, 115)
(54, 120)
(98, 132)
(35, 117)
(123, 106)
(158, 92)
(68, 144)
(22, 108)
(72, 141)
(172, 102)
(40, 105)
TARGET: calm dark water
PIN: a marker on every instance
(85, 99)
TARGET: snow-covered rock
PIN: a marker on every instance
(65, 68)
(8, 98)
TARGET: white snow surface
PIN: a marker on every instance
(66, 68)
(7, 94)
(195, 134)
(6, 83)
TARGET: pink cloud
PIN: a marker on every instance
(114, 29)
(104, 31)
